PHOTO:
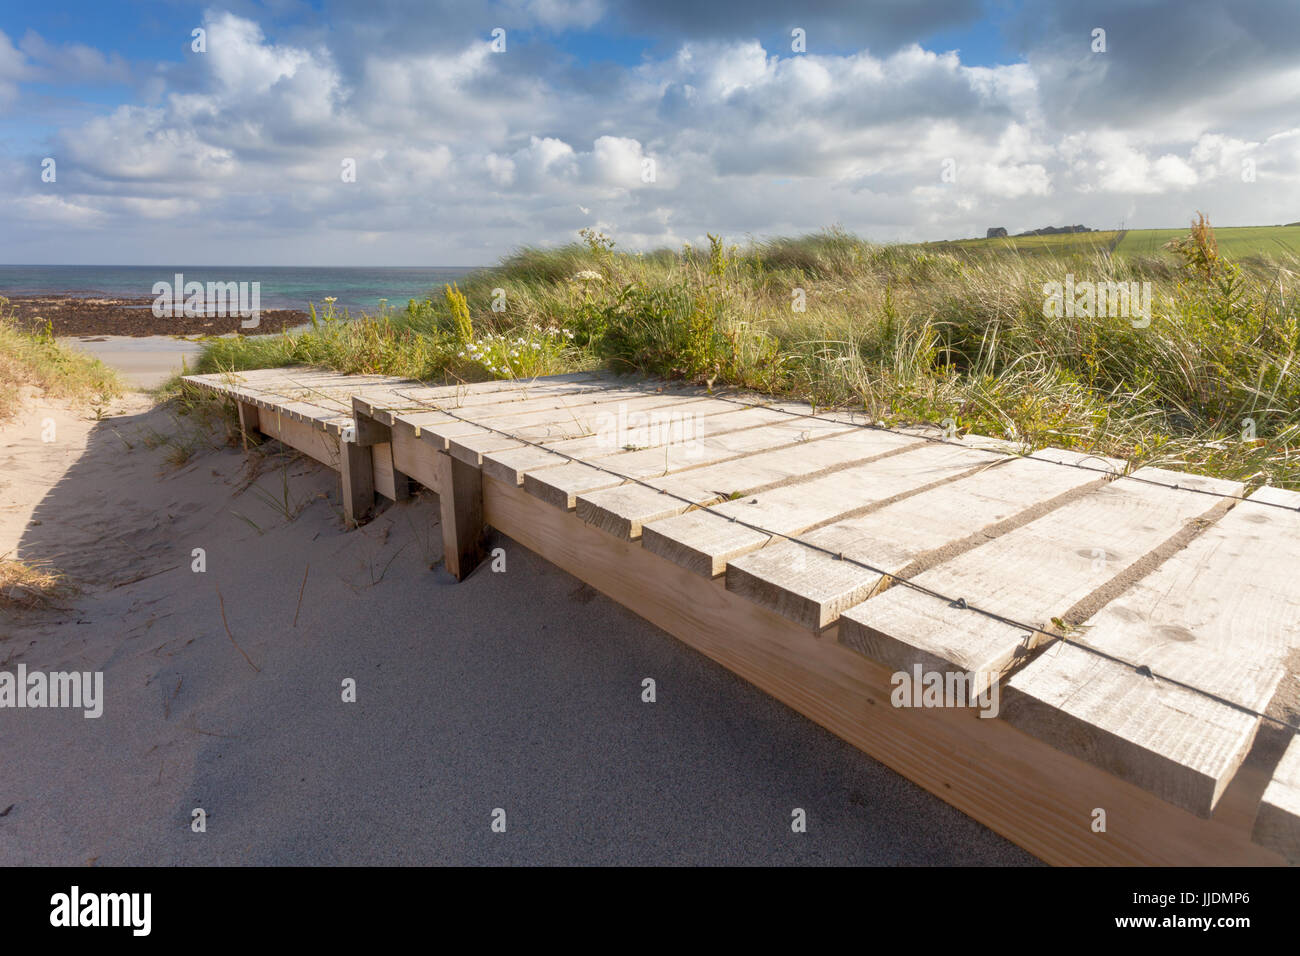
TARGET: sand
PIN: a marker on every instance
(518, 690)
(142, 361)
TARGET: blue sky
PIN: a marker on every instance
(656, 122)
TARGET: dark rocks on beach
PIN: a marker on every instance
(74, 315)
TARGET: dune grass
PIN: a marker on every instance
(37, 359)
(30, 586)
(908, 333)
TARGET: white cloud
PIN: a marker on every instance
(461, 152)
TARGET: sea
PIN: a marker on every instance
(355, 288)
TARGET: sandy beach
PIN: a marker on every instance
(142, 361)
(516, 690)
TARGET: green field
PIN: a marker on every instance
(1235, 242)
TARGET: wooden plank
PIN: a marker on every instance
(453, 393)
(618, 427)
(472, 443)
(811, 587)
(555, 420)
(1220, 616)
(358, 478)
(1018, 786)
(437, 426)
(414, 457)
(461, 507)
(561, 486)
(389, 481)
(705, 540)
(623, 510)
(1046, 569)
(510, 464)
(1277, 825)
(311, 395)
(517, 397)
(311, 441)
(247, 422)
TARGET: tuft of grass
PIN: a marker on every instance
(906, 333)
(30, 586)
(37, 359)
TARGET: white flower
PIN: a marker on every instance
(588, 275)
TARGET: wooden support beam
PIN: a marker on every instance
(415, 458)
(358, 476)
(460, 498)
(389, 481)
(311, 441)
(248, 422)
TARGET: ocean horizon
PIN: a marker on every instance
(357, 288)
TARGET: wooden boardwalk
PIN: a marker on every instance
(1103, 645)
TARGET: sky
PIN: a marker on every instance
(391, 132)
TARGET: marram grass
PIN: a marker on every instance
(908, 333)
(37, 359)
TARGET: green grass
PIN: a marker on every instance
(37, 359)
(1236, 242)
(908, 333)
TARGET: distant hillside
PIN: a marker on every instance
(1236, 242)
(1054, 231)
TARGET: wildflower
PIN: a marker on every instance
(588, 275)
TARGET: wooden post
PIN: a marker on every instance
(378, 438)
(460, 498)
(358, 474)
(248, 422)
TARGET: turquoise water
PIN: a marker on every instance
(282, 287)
